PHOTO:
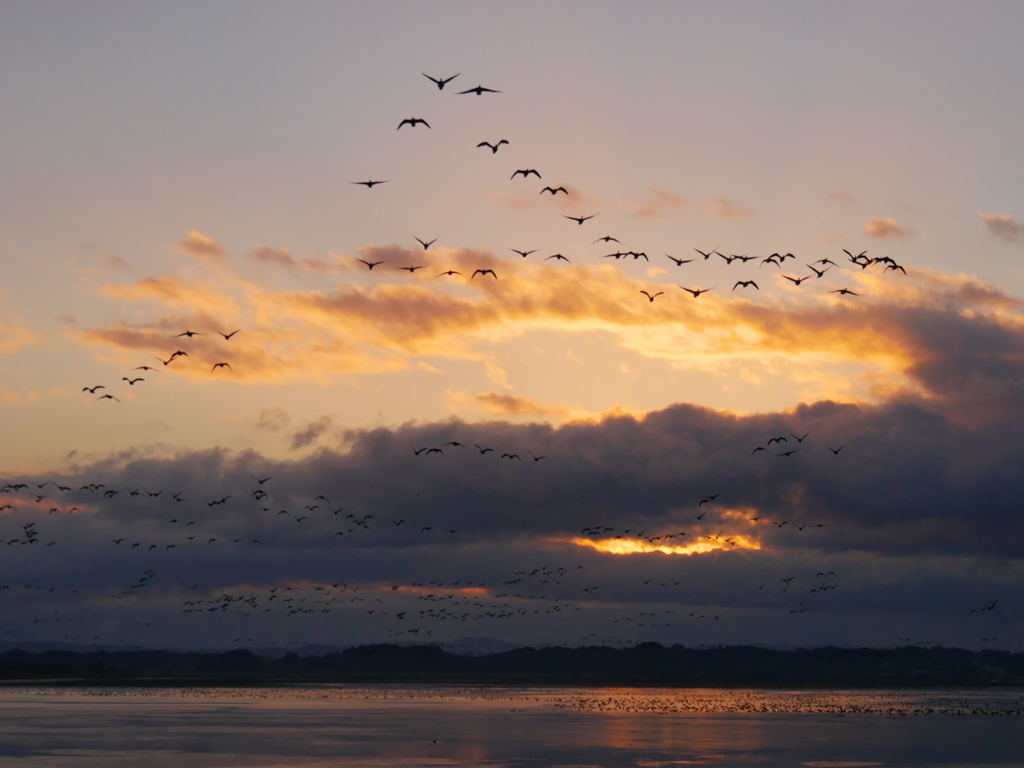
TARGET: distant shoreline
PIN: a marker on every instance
(648, 665)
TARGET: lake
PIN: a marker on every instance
(394, 725)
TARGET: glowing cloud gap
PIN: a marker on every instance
(638, 546)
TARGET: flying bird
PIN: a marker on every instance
(144, 368)
(370, 264)
(744, 284)
(440, 82)
(92, 390)
(835, 451)
(107, 397)
(524, 254)
(525, 172)
(697, 291)
(796, 280)
(131, 382)
(707, 255)
(227, 336)
(425, 245)
(845, 292)
(412, 269)
(557, 256)
(679, 262)
(369, 184)
(479, 91)
(450, 272)
(554, 190)
(651, 298)
(221, 365)
(413, 122)
(484, 272)
(492, 147)
(609, 239)
(580, 219)
(190, 334)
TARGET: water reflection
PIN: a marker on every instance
(439, 726)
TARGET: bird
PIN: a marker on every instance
(744, 284)
(818, 272)
(481, 449)
(190, 334)
(651, 298)
(450, 272)
(524, 254)
(227, 336)
(132, 382)
(835, 451)
(554, 190)
(413, 122)
(107, 397)
(144, 368)
(412, 268)
(492, 147)
(479, 91)
(609, 239)
(679, 262)
(370, 264)
(557, 256)
(484, 272)
(796, 280)
(706, 255)
(579, 219)
(844, 292)
(221, 365)
(525, 173)
(369, 184)
(697, 291)
(92, 390)
(425, 245)
(440, 82)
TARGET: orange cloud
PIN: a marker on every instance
(267, 255)
(511, 405)
(659, 204)
(885, 229)
(202, 247)
(724, 208)
(1004, 226)
(14, 337)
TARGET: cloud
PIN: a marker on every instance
(885, 229)
(1003, 226)
(14, 337)
(502, 404)
(844, 199)
(273, 419)
(264, 254)
(659, 204)
(202, 247)
(113, 261)
(312, 432)
(724, 208)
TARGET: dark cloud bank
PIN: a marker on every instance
(912, 532)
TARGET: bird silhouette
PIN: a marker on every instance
(440, 82)
(450, 272)
(554, 190)
(492, 147)
(371, 264)
(227, 336)
(425, 245)
(580, 219)
(744, 284)
(796, 280)
(697, 291)
(484, 272)
(525, 173)
(524, 254)
(651, 298)
(558, 256)
(132, 382)
(845, 292)
(221, 365)
(369, 184)
(413, 122)
(479, 91)
(412, 268)
(92, 390)
(679, 262)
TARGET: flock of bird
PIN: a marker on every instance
(417, 608)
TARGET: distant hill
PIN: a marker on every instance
(645, 664)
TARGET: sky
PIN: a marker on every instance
(819, 447)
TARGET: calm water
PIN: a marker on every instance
(435, 726)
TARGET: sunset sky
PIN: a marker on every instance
(191, 166)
